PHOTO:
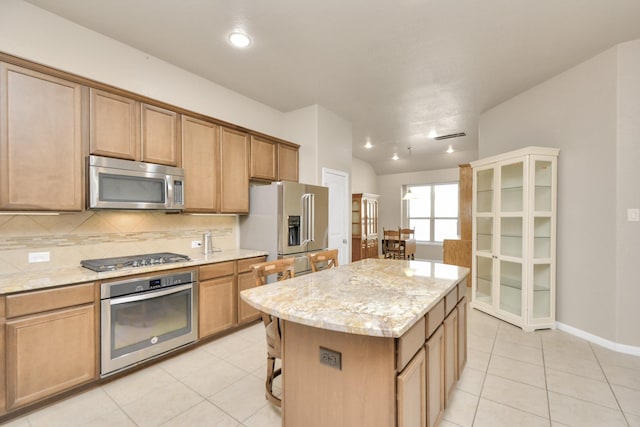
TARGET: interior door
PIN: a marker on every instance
(339, 211)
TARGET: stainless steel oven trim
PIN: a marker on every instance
(110, 366)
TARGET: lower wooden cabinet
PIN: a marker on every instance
(450, 353)
(412, 392)
(462, 335)
(49, 353)
(247, 313)
(216, 302)
(435, 377)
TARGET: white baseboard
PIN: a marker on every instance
(620, 348)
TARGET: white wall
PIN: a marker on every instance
(575, 111)
(390, 207)
(363, 177)
(301, 126)
(37, 35)
(628, 193)
(334, 143)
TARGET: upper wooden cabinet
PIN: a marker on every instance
(40, 141)
(287, 163)
(234, 171)
(127, 129)
(201, 163)
(272, 160)
(264, 158)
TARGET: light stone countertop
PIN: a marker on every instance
(376, 297)
(42, 279)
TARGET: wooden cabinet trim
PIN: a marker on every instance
(49, 299)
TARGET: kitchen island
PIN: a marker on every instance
(376, 342)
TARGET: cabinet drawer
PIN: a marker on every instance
(219, 269)
(451, 300)
(245, 264)
(49, 299)
(434, 318)
(409, 343)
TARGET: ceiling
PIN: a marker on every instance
(396, 69)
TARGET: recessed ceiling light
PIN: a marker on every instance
(395, 156)
(239, 39)
(432, 134)
(450, 150)
(368, 145)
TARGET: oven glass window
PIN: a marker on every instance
(140, 324)
(119, 188)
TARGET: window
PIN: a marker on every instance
(433, 211)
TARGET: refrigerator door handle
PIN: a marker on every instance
(305, 219)
(312, 217)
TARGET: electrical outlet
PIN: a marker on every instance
(39, 257)
(196, 244)
(331, 358)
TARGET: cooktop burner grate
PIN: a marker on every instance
(143, 260)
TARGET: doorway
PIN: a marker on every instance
(339, 210)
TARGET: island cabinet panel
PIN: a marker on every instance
(3, 384)
(462, 335)
(216, 298)
(40, 141)
(360, 393)
(246, 280)
(450, 354)
(264, 158)
(201, 163)
(434, 353)
(114, 125)
(288, 163)
(49, 353)
(412, 393)
(234, 171)
(159, 136)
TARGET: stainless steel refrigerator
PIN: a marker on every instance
(287, 219)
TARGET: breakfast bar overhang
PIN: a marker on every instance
(376, 342)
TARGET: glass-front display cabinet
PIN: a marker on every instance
(514, 233)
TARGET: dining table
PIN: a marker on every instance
(407, 247)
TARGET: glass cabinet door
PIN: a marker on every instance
(511, 287)
(542, 229)
(484, 280)
(484, 191)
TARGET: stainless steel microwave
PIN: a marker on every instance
(125, 184)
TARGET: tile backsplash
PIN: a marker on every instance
(70, 238)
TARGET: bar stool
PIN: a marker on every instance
(272, 324)
(407, 234)
(323, 259)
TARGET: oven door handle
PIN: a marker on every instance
(150, 295)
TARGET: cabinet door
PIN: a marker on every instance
(216, 305)
(234, 171)
(159, 135)
(412, 393)
(483, 236)
(49, 353)
(40, 141)
(246, 313)
(264, 158)
(114, 130)
(462, 335)
(435, 377)
(288, 165)
(450, 354)
(201, 163)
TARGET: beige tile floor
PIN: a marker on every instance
(512, 378)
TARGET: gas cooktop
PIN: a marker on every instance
(111, 264)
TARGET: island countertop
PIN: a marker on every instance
(375, 297)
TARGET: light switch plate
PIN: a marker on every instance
(633, 215)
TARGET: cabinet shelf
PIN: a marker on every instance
(513, 265)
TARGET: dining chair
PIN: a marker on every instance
(273, 325)
(392, 246)
(407, 234)
(323, 259)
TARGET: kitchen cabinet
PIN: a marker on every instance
(514, 236)
(450, 325)
(234, 171)
(201, 163)
(288, 162)
(3, 384)
(412, 392)
(51, 342)
(364, 226)
(434, 354)
(40, 141)
(246, 280)
(264, 158)
(216, 298)
(124, 128)
(462, 335)
(272, 160)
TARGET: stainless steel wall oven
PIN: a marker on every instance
(147, 316)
